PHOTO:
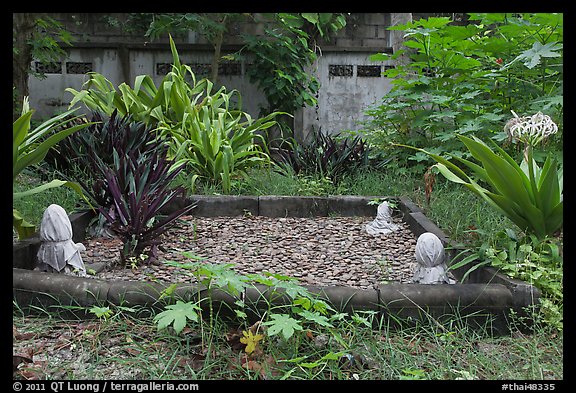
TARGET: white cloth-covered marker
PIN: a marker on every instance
(431, 267)
(383, 224)
(58, 253)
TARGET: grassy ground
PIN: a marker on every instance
(125, 343)
(32, 207)
(128, 346)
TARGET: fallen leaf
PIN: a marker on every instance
(33, 372)
(194, 361)
(233, 339)
(21, 336)
(132, 351)
(17, 360)
(263, 367)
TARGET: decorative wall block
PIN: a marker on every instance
(204, 69)
(48, 68)
(372, 71)
(74, 67)
(230, 68)
(340, 70)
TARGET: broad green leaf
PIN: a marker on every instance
(282, 323)
(19, 132)
(510, 181)
(231, 281)
(101, 312)
(32, 156)
(177, 315)
(531, 57)
(448, 174)
(315, 317)
(52, 184)
(81, 95)
(175, 56)
(310, 17)
(168, 291)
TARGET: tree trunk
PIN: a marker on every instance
(23, 31)
(217, 52)
(216, 58)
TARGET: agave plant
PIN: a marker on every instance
(531, 196)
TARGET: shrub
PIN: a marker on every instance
(139, 185)
(464, 79)
(82, 154)
(207, 132)
(538, 262)
(328, 156)
(129, 177)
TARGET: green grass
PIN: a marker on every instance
(32, 207)
(127, 345)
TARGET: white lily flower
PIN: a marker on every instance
(530, 129)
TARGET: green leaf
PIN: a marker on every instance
(177, 314)
(282, 323)
(167, 292)
(315, 317)
(43, 187)
(310, 17)
(26, 152)
(23, 227)
(507, 179)
(101, 312)
(230, 280)
(531, 57)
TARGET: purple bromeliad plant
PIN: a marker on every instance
(140, 189)
(132, 185)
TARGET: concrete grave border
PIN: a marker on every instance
(486, 297)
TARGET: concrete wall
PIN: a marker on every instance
(48, 95)
(347, 88)
(350, 84)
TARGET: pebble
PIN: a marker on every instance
(320, 251)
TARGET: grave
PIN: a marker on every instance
(486, 297)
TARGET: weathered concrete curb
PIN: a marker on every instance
(277, 206)
(479, 303)
(486, 295)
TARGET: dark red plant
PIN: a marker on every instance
(139, 185)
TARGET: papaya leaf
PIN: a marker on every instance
(284, 324)
(177, 315)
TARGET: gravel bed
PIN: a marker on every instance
(323, 251)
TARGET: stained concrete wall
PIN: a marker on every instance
(342, 99)
(48, 95)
